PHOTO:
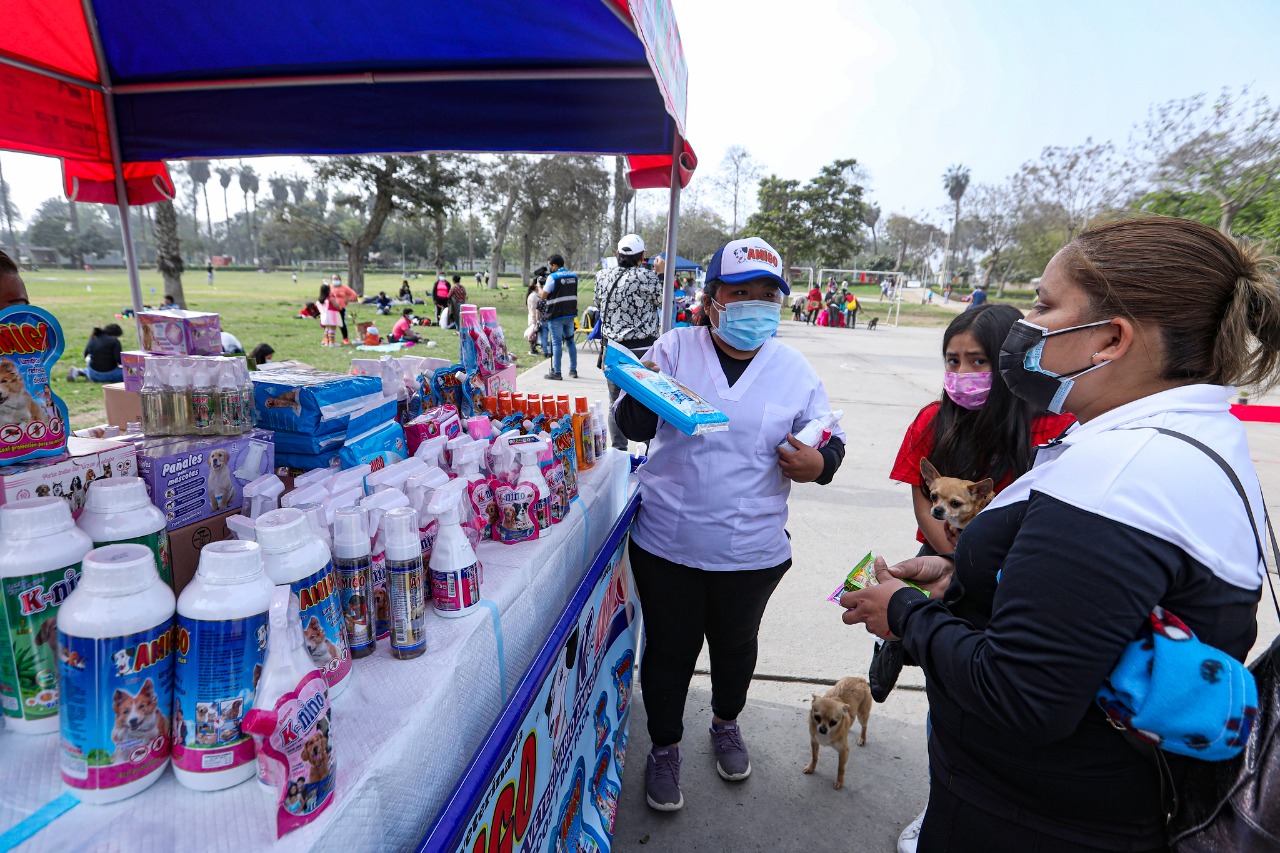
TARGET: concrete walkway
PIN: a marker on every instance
(880, 379)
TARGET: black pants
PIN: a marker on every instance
(681, 606)
(953, 826)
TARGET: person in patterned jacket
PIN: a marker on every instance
(629, 298)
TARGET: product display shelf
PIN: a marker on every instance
(404, 731)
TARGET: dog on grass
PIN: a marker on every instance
(955, 501)
(831, 717)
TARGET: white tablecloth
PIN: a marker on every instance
(403, 730)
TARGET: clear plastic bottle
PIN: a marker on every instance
(203, 399)
(154, 421)
(40, 553)
(455, 571)
(177, 396)
(245, 421)
(405, 584)
(228, 397)
(115, 650)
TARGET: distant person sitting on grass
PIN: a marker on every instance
(402, 331)
(231, 344)
(308, 311)
(405, 295)
(262, 353)
(102, 356)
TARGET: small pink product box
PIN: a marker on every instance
(181, 332)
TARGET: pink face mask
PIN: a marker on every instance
(967, 390)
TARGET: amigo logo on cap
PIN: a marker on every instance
(743, 254)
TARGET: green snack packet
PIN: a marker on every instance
(862, 576)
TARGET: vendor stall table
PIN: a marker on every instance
(404, 731)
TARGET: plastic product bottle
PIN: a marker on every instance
(481, 511)
(583, 434)
(120, 510)
(816, 433)
(600, 423)
(228, 407)
(203, 399)
(245, 421)
(40, 553)
(452, 451)
(523, 506)
(420, 489)
(455, 571)
(562, 443)
(406, 584)
(376, 506)
(177, 396)
(220, 643)
(283, 728)
(291, 555)
(115, 650)
(152, 399)
(354, 564)
(431, 451)
(528, 448)
(394, 475)
(553, 472)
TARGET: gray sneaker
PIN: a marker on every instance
(732, 760)
(662, 779)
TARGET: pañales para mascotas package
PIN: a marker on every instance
(33, 421)
(310, 401)
(291, 720)
(662, 395)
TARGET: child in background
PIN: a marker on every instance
(713, 578)
(262, 353)
(402, 331)
(329, 318)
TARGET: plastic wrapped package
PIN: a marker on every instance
(661, 394)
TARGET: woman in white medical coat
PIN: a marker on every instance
(709, 544)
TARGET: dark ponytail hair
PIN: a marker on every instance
(994, 440)
(97, 332)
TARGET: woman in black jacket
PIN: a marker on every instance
(102, 356)
(1051, 582)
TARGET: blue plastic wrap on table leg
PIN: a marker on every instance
(492, 607)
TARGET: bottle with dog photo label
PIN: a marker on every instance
(354, 564)
(203, 400)
(115, 664)
(40, 553)
(292, 555)
(120, 510)
(220, 642)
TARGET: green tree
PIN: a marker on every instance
(505, 179)
(737, 174)
(198, 171)
(834, 201)
(169, 252)
(702, 231)
(10, 211)
(870, 217)
(224, 178)
(782, 218)
(52, 227)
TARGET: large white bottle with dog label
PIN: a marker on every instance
(219, 643)
(115, 650)
(293, 556)
(40, 553)
(120, 510)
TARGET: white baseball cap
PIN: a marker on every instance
(630, 245)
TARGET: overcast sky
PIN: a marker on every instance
(909, 87)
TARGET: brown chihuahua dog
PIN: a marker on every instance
(955, 501)
(831, 717)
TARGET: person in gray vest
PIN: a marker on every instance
(561, 293)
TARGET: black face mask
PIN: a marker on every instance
(1020, 366)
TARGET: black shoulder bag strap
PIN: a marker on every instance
(1168, 792)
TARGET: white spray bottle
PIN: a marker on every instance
(376, 506)
(528, 449)
(816, 433)
(455, 571)
(481, 512)
(431, 451)
(420, 489)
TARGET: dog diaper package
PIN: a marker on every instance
(442, 420)
(310, 401)
(661, 394)
(194, 478)
(181, 332)
(373, 439)
(69, 478)
(33, 422)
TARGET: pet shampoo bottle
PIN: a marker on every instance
(219, 645)
(40, 553)
(376, 506)
(405, 583)
(120, 510)
(203, 400)
(455, 571)
(115, 662)
(292, 555)
(152, 400)
(354, 564)
(177, 397)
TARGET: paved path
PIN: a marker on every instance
(880, 379)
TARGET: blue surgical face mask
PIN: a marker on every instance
(746, 326)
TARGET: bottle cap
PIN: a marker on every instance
(117, 494)
(350, 535)
(401, 528)
(283, 530)
(34, 518)
(221, 562)
(489, 315)
(580, 405)
(118, 569)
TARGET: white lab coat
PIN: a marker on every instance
(719, 501)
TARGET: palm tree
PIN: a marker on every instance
(247, 181)
(199, 172)
(224, 178)
(169, 252)
(956, 180)
(870, 216)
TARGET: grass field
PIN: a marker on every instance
(260, 307)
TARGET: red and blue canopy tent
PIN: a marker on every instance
(117, 87)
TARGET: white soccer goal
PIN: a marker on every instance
(896, 279)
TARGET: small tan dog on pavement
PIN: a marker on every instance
(831, 717)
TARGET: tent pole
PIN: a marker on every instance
(117, 160)
(673, 228)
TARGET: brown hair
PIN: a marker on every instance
(1215, 302)
(7, 266)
